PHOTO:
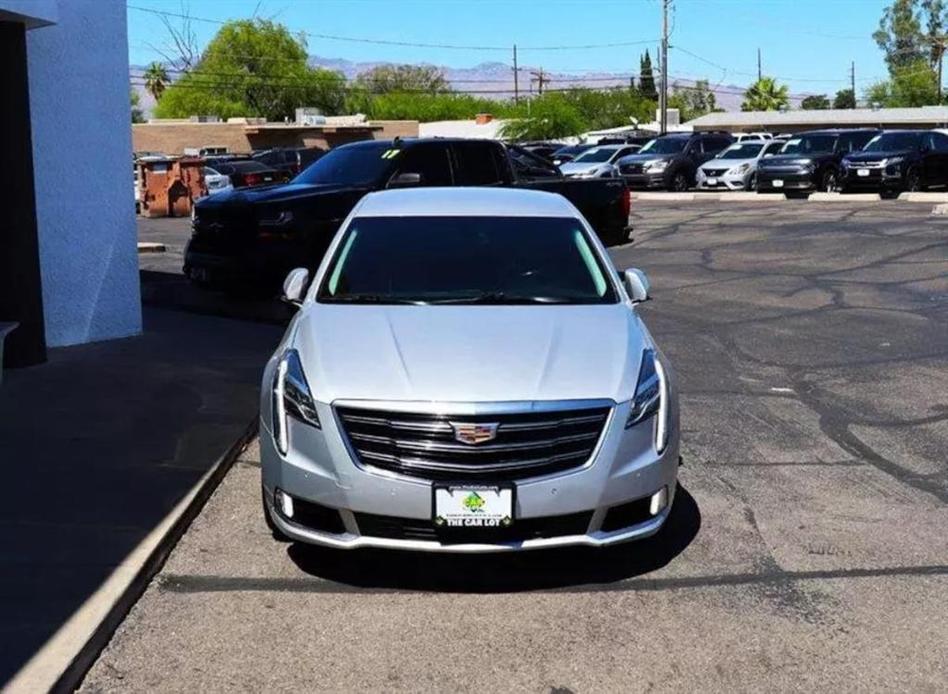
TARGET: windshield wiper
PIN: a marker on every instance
(368, 299)
(498, 297)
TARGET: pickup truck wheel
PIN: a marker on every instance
(679, 182)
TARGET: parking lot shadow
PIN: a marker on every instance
(506, 571)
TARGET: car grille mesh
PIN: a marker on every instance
(631, 168)
(424, 445)
(715, 172)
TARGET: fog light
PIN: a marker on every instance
(284, 502)
(659, 501)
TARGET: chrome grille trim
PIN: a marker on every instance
(533, 439)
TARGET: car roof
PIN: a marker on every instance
(464, 202)
(836, 131)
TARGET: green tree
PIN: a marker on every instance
(765, 95)
(815, 102)
(845, 98)
(156, 80)
(692, 101)
(900, 34)
(135, 101)
(253, 67)
(914, 84)
(385, 79)
(647, 77)
(551, 116)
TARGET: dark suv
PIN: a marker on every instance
(810, 161)
(671, 161)
(896, 161)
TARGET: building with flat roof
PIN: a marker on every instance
(174, 136)
(68, 246)
(795, 121)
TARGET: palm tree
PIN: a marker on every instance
(765, 95)
(156, 79)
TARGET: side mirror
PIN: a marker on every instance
(294, 286)
(636, 283)
(405, 180)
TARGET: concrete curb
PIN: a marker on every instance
(739, 196)
(150, 247)
(940, 209)
(62, 662)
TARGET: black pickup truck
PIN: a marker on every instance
(252, 238)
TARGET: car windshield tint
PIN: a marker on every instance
(466, 260)
(355, 166)
(893, 142)
(742, 151)
(810, 144)
(664, 145)
(572, 149)
(595, 155)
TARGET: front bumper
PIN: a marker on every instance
(320, 469)
(726, 181)
(644, 180)
(874, 180)
(779, 181)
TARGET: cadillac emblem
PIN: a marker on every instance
(474, 433)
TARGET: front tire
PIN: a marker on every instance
(829, 181)
(913, 181)
(751, 184)
(679, 182)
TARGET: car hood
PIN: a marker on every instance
(278, 193)
(727, 163)
(792, 159)
(574, 167)
(876, 156)
(470, 353)
(642, 158)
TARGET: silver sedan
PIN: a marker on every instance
(736, 167)
(467, 372)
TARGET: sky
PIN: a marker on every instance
(807, 44)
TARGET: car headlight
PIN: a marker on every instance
(740, 169)
(291, 398)
(657, 165)
(651, 398)
(890, 161)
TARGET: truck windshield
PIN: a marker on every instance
(361, 165)
(893, 142)
(466, 260)
(665, 145)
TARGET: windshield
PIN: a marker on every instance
(571, 149)
(595, 155)
(466, 260)
(354, 166)
(664, 145)
(810, 144)
(893, 142)
(745, 150)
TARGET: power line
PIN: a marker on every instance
(408, 44)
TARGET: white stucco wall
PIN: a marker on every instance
(78, 74)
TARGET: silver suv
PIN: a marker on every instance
(467, 372)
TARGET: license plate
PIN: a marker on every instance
(862, 172)
(712, 181)
(472, 506)
(777, 183)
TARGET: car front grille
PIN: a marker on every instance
(631, 168)
(714, 172)
(422, 445)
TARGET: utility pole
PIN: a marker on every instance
(852, 80)
(663, 93)
(516, 77)
(760, 73)
(541, 79)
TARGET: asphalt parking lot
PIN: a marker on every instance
(807, 548)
